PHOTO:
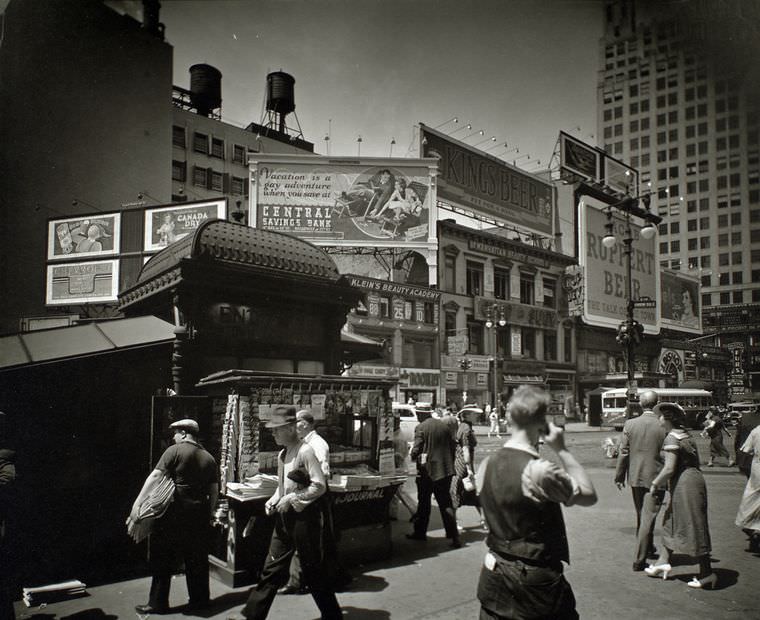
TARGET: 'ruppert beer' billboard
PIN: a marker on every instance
(474, 180)
(605, 270)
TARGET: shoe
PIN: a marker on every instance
(291, 589)
(706, 582)
(456, 543)
(710, 464)
(144, 610)
(415, 536)
(638, 567)
(658, 570)
(732, 464)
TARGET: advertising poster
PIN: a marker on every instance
(619, 177)
(165, 225)
(344, 202)
(680, 301)
(605, 270)
(474, 180)
(578, 157)
(81, 283)
(84, 236)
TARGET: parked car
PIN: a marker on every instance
(409, 420)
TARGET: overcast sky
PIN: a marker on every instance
(520, 70)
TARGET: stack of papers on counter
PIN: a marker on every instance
(34, 597)
(255, 487)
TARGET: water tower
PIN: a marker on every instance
(205, 89)
(280, 102)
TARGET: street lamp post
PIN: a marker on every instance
(630, 332)
(465, 364)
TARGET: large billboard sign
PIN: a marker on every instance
(578, 157)
(590, 163)
(165, 225)
(369, 201)
(681, 297)
(85, 236)
(82, 283)
(605, 283)
(475, 180)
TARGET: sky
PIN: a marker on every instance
(520, 70)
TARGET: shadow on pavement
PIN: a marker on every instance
(219, 605)
(726, 578)
(360, 613)
(90, 614)
(366, 583)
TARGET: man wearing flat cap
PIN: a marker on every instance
(184, 530)
(298, 524)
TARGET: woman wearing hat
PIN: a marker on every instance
(685, 528)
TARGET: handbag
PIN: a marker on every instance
(469, 483)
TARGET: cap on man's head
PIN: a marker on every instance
(191, 426)
(282, 416)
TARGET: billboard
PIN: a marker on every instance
(165, 225)
(596, 166)
(84, 236)
(474, 180)
(82, 283)
(578, 157)
(345, 202)
(605, 283)
(681, 297)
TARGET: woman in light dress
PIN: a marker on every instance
(748, 517)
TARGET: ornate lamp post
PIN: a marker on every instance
(630, 331)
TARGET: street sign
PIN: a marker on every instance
(644, 302)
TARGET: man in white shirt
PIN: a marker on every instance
(298, 524)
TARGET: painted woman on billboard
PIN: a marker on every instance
(341, 203)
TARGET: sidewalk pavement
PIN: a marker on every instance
(570, 427)
(432, 581)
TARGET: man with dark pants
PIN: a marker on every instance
(298, 524)
(520, 494)
(433, 450)
(184, 530)
(7, 484)
(639, 460)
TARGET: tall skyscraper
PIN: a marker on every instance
(679, 99)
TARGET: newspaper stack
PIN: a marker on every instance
(33, 597)
(260, 485)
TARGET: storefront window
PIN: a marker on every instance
(417, 353)
(527, 288)
(475, 333)
(550, 345)
(450, 325)
(450, 274)
(385, 307)
(528, 342)
(474, 278)
(503, 341)
(550, 286)
(567, 332)
(500, 283)
(408, 310)
(429, 316)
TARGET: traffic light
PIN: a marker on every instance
(465, 363)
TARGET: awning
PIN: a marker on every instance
(61, 343)
(520, 379)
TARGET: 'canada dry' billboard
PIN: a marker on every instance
(343, 202)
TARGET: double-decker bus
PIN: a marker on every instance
(695, 403)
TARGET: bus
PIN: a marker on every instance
(695, 403)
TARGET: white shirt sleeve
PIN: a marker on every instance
(543, 481)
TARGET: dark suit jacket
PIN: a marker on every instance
(639, 455)
(433, 438)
